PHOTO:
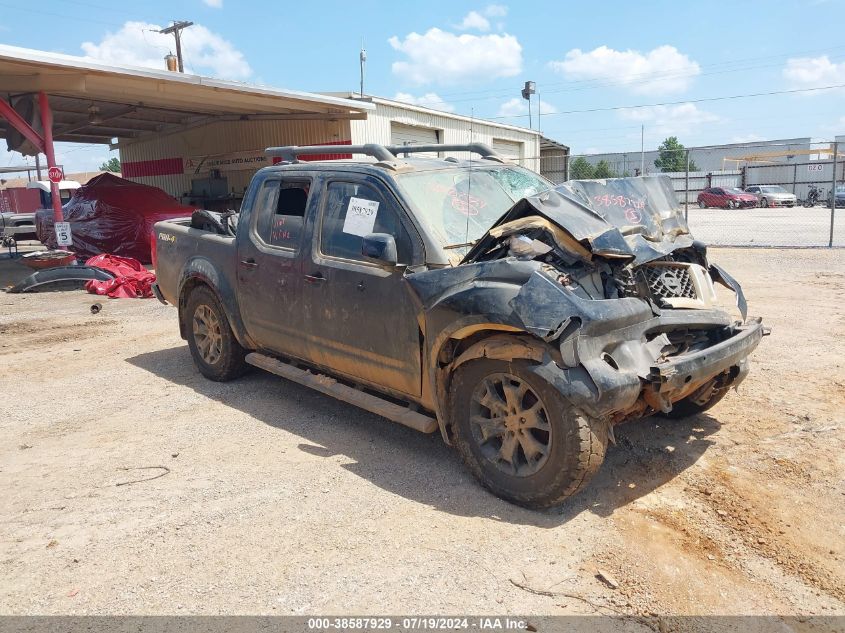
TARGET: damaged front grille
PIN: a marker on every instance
(670, 281)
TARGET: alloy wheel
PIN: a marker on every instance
(510, 425)
(207, 334)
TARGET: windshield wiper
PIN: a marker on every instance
(465, 244)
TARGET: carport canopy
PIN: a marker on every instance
(95, 102)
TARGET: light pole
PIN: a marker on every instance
(529, 89)
(362, 57)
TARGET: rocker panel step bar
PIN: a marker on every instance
(331, 387)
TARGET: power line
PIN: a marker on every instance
(646, 77)
(681, 102)
(60, 15)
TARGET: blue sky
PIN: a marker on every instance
(473, 57)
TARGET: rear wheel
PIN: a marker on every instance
(702, 204)
(519, 436)
(214, 348)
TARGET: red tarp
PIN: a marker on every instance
(131, 279)
(112, 215)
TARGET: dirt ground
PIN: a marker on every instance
(262, 497)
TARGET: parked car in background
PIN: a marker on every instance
(726, 198)
(773, 196)
(840, 196)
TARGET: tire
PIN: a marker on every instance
(702, 204)
(730, 205)
(698, 402)
(574, 443)
(764, 202)
(217, 355)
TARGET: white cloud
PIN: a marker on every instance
(679, 120)
(442, 57)
(518, 106)
(495, 10)
(217, 4)
(663, 70)
(813, 72)
(428, 100)
(474, 20)
(138, 44)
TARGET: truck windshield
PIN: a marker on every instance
(460, 204)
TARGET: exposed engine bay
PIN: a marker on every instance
(617, 284)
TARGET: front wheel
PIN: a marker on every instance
(764, 203)
(214, 348)
(520, 437)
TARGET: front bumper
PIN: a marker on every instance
(677, 378)
(622, 374)
(785, 202)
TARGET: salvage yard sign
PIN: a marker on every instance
(236, 161)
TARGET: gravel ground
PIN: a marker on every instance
(130, 484)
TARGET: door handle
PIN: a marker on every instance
(249, 263)
(316, 278)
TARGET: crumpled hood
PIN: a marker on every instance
(638, 219)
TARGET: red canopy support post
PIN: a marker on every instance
(17, 121)
(47, 127)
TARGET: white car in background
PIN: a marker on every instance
(773, 196)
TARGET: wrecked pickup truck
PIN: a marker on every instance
(523, 321)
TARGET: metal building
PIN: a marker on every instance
(398, 123)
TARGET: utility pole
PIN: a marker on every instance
(176, 29)
(642, 150)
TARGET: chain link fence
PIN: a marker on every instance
(773, 194)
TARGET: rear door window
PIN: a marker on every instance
(280, 208)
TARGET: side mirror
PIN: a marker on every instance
(380, 247)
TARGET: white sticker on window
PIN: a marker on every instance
(360, 217)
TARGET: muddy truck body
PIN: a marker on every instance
(521, 319)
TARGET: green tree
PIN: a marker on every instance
(603, 170)
(580, 169)
(112, 165)
(673, 156)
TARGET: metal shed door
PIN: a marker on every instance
(401, 134)
(509, 149)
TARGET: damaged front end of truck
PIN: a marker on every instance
(618, 299)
